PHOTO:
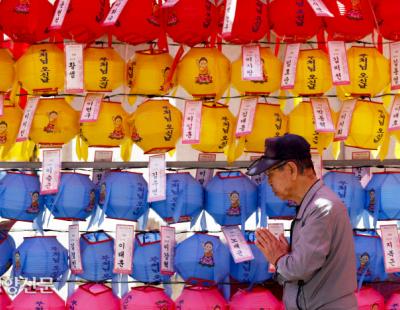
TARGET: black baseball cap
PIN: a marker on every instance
(280, 149)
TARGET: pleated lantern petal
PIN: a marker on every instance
(250, 23)
(313, 74)
(354, 19)
(147, 297)
(204, 72)
(147, 258)
(369, 72)
(93, 296)
(231, 197)
(104, 69)
(88, 29)
(5, 300)
(141, 21)
(19, 197)
(368, 128)
(191, 21)
(9, 127)
(97, 254)
(198, 298)
(148, 71)
(123, 195)
(7, 72)
(294, 20)
(382, 196)
(41, 69)
(388, 14)
(184, 199)
(202, 259)
(272, 71)
(348, 188)
(394, 301)
(251, 271)
(75, 199)
(272, 115)
(369, 298)
(256, 298)
(36, 297)
(369, 257)
(217, 126)
(26, 21)
(301, 122)
(41, 257)
(55, 123)
(7, 248)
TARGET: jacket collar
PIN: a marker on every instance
(308, 197)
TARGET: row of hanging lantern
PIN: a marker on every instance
(196, 21)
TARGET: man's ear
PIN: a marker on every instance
(293, 169)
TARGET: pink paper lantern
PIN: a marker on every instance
(93, 296)
(5, 300)
(370, 299)
(201, 298)
(257, 298)
(393, 302)
(147, 297)
(37, 298)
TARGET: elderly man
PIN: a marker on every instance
(318, 268)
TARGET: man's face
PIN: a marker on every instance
(280, 181)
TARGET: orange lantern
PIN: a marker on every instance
(85, 29)
(354, 19)
(272, 71)
(26, 20)
(139, 22)
(156, 139)
(294, 20)
(204, 72)
(388, 16)
(6, 70)
(369, 72)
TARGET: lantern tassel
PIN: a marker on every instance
(132, 99)
(387, 100)
(282, 100)
(397, 150)
(78, 147)
(384, 148)
(297, 101)
(126, 150)
(336, 149)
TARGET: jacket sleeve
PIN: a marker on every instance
(311, 244)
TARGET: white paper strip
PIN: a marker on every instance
(344, 121)
(26, 123)
(123, 249)
(204, 175)
(290, 65)
(252, 68)
(362, 173)
(338, 62)
(51, 172)
(245, 119)
(91, 107)
(322, 115)
(320, 8)
(75, 259)
(115, 12)
(104, 156)
(395, 65)
(192, 122)
(391, 248)
(167, 249)
(157, 178)
(238, 246)
(74, 68)
(317, 161)
(230, 12)
(394, 120)
(59, 14)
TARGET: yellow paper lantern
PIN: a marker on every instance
(6, 70)
(369, 72)
(204, 72)
(272, 71)
(269, 121)
(301, 122)
(103, 69)
(368, 127)
(9, 126)
(147, 72)
(41, 69)
(217, 128)
(313, 74)
(156, 126)
(55, 123)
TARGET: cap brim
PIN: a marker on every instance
(260, 165)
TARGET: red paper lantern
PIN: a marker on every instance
(294, 20)
(139, 22)
(388, 16)
(191, 21)
(250, 23)
(354, 19)
(83, 21)
(26, 20)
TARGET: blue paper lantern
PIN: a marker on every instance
(41, 257)
(7, 248)
(252, 271)
(383, 196)
(147, 258)
(123, 195)
(75, 199)
(184, 199)
(202, 260)
(348, 187)
(97, 254)
(231, 197)
(19, 197)
(271, 205)
(369, 256)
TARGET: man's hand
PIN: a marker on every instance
(272, 248)
(7, 225)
